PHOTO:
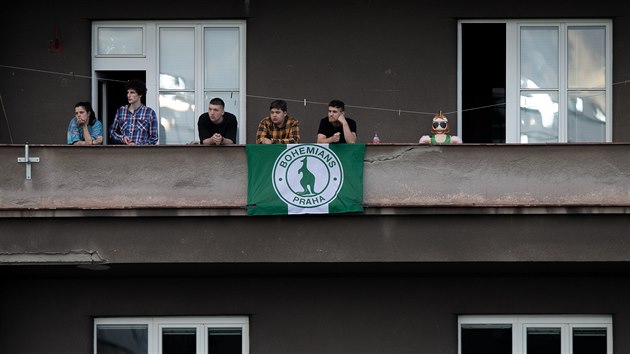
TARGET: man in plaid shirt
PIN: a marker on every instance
(278, 128)
(135, 123)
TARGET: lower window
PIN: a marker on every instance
(172, 335)
(571, 334)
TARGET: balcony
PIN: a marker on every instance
(427, 208)
(398, 179)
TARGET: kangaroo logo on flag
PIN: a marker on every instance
(307, 176)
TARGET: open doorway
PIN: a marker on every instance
(112, 94)
(483, 82)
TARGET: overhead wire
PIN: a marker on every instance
(304, 101)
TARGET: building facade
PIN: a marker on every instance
(516, 241)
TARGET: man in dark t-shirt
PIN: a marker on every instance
(217, 127)
(336, 128)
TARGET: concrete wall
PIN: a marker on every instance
(214, 179)
(304, 314)
(423, 204)
(416, 241)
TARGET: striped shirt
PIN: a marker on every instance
(289, 133)
(140, 125)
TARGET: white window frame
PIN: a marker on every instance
(520, 323)
(512, 85)
(155, 324)
(149, 62)
(95, 34)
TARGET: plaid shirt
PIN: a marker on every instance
(288, 134)
(141, 125)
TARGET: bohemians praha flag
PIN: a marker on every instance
(304, 178)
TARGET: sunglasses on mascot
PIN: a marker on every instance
(439, 124)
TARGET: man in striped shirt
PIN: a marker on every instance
(135, 123)
(278, 128)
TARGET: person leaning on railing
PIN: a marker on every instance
(217, 127)
(278, 128)
(336, 127)
(84, 128)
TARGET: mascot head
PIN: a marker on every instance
(440, 124)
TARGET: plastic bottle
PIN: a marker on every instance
(376, 139)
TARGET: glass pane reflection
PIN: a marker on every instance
(586, 57)
(586, 116)
(539, 117)
(177, 118)
(120, 41)
(221, 58)
(539, 57)
(177, 58)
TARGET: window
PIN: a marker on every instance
(535, 334)
(171, 335)
(535, 81)
(120, 41)
(185, 65)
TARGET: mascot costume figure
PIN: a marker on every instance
(439, 128)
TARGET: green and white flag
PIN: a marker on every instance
(304, 178)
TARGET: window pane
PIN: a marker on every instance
(586, 117)
(539, 117)
(486, 339)
(539, 57)
(224, 341)
(177, 58)
(221, 58)
(122, 339)
(586, 57)
(177, 118)
(179, 341)
(543, 341)
(119, 41)
(589, 341)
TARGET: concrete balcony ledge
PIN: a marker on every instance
(172, 180)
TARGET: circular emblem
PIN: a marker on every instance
(307, 175)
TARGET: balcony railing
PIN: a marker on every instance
(398, 178)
